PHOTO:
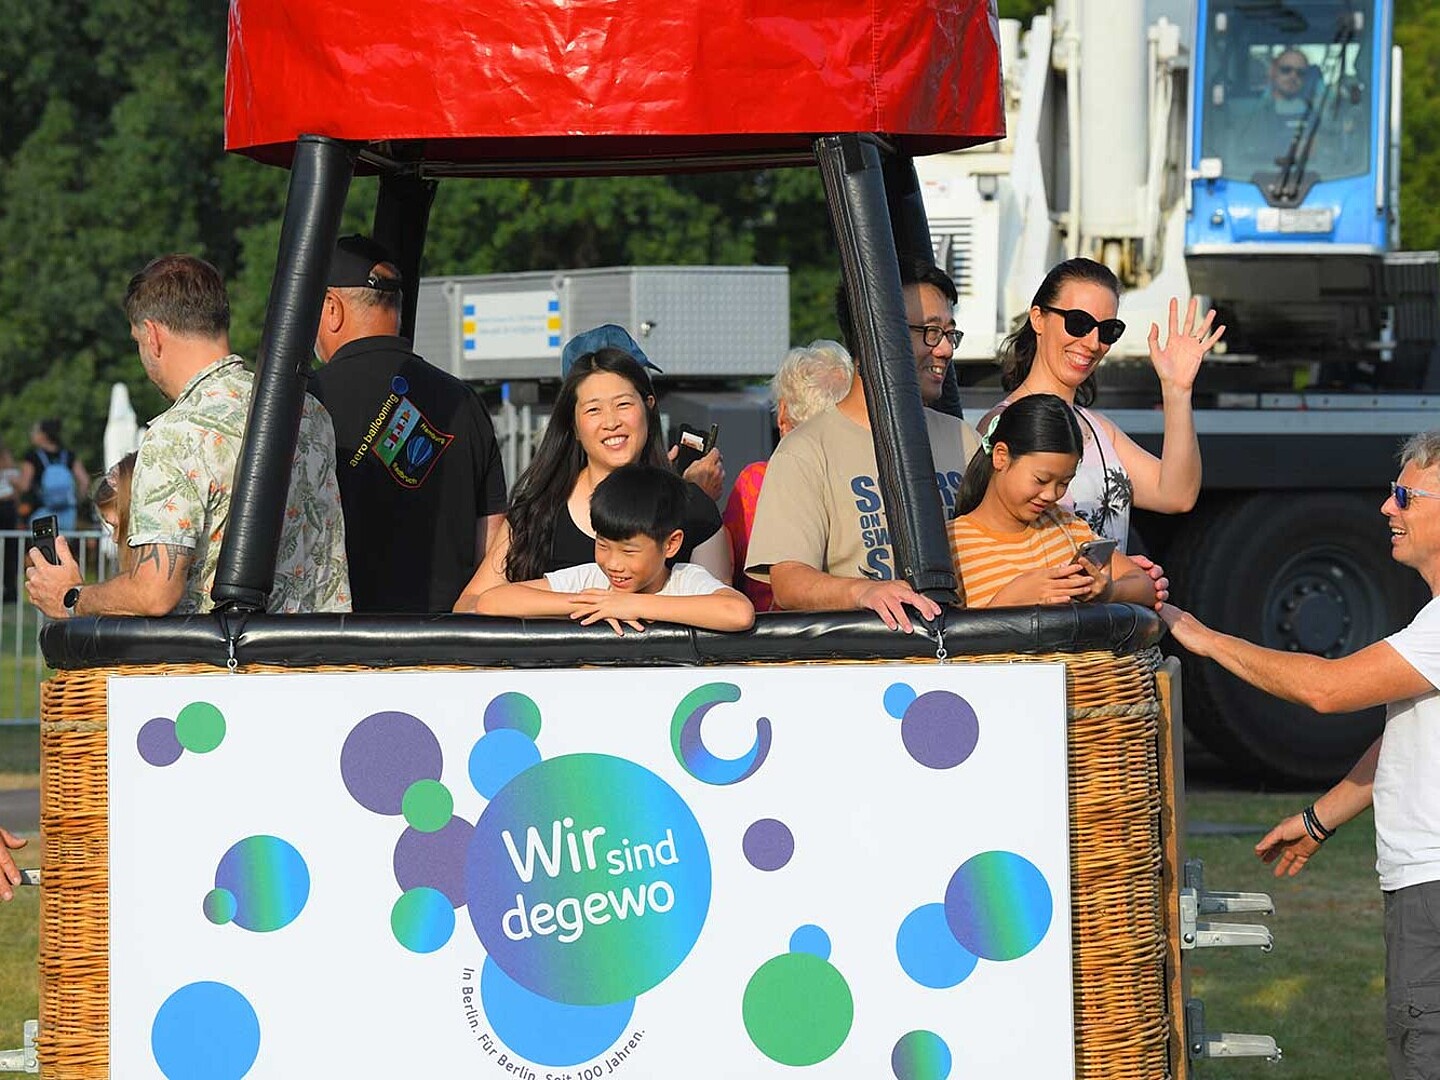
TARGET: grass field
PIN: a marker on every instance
(19, 945)
(21, 667)
(1319, 992)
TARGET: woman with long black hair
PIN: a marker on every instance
(1069, 328)
(604, 417)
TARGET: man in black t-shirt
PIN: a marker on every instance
(420, 474)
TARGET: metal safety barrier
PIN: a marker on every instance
(22, 669)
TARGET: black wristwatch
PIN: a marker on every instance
(71, 598)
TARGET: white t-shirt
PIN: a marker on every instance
(686, 579)
(1407, 779)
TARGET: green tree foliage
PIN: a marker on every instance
(1417, 31)
(1024, 10)
(111, 153)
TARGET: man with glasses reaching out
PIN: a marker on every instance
(820, 537)
(1399, 773)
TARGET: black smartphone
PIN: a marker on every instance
(42, 536)
(694, 444)
(1097, 552)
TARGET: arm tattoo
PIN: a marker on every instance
(150, 553)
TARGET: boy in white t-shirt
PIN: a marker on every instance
(636, 513)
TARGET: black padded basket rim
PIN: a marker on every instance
(381, 641)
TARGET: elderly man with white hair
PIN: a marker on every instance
(808, 381)
(1399, 774)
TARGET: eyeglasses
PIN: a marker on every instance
(933, 335)
(1291, 69)
(1079, 323)
(1402, 495)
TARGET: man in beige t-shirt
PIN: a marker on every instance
(820, 537)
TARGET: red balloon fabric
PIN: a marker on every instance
(477, 84)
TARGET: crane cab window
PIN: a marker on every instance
(1287, 83)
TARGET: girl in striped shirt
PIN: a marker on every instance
(1013, 545)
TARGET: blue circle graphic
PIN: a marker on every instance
(928, 951)
(898, 697)
(205, 1031)
(811, 939)
(500, 756)
(544, 1031)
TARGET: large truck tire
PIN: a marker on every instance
(1298, 572)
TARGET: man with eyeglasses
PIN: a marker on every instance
(820, 538)
(421, 478)
(1399, 774)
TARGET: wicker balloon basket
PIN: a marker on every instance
(1124, 1005)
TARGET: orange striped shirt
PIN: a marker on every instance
(987, 561)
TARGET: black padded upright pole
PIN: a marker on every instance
(910, 226)
(855, 192)
(402, 216)
(319, 180)
(906, 205)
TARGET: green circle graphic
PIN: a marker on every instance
(798, 1009)
(427, 805)
(200, 727)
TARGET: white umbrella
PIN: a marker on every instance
(122, 432)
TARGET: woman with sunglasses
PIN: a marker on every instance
(1070, 327)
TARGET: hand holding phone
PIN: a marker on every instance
(42, 533)
(1097, 552)
(693, 445)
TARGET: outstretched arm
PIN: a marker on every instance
(1170, 484)
(1376, 675)
(1289, 845)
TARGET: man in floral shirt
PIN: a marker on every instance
(180, 501)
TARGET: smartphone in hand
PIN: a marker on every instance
(1097, 552)
(42, 535)
(694, 444)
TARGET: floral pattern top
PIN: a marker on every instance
(181, 494)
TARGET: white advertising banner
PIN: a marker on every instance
(832, 871)
(510, 325)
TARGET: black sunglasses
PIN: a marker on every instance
(1403, 495)
(1079, 323)
(1291, 69)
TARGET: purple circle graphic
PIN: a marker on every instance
(768, 844)
(434, 860)
(383, 755)
(940, 729)
(157, 742)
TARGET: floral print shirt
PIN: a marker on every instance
(181, 493)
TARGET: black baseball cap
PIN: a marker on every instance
(352, 266)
